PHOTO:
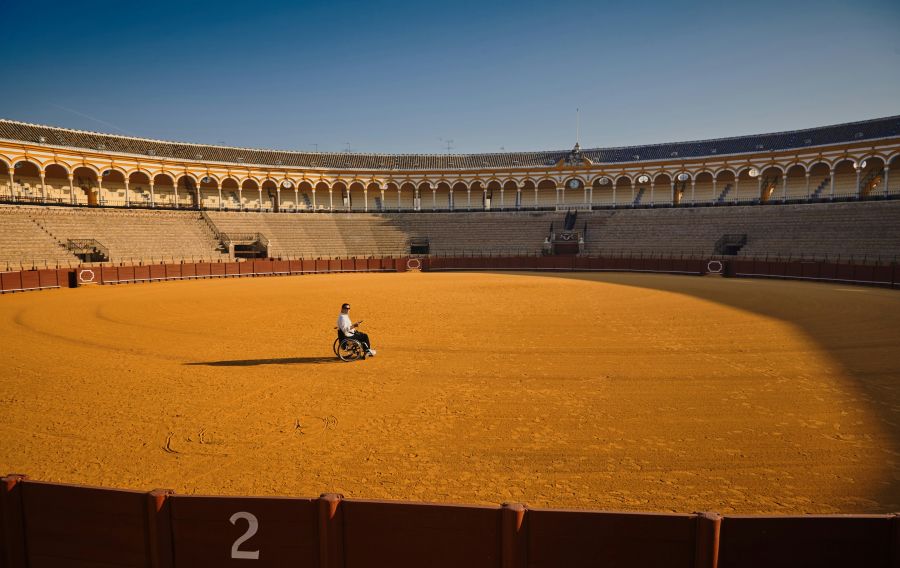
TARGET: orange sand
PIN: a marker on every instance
(625, 392)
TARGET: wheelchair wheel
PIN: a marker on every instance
(336, 346)
(350, 350)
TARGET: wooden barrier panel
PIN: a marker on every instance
(809, 269)
(126, 274)
(48, 278)
(31, 280)
(844, 272)
(334, 266)
(232, 268)
(416, 535)
(173, 271)
(322, 265)
(245, 267)
(108, 274)
(823, 542)
(62, 275)
(157, 272)
(188, 270)
(12, 530)
(142, 273)
(244, 531)
(296, 266)
(70, 525)
(217, 269)
(281, 267)
(203, 269)
(882, 274)
(263, 266)
(863, 273)
(575, 538)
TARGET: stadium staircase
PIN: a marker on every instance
(724, 195)
(730, 244)
(818, 192)
(638, 197)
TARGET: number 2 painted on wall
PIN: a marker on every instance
(253, 526)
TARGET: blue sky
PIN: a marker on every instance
(406, 76)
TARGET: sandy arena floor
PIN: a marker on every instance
(623, 392)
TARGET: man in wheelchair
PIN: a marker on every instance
(348, 329)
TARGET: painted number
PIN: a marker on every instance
(253, 526)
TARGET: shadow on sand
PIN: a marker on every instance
(861, 334)
(283, 361)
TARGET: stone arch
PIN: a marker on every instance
(442, 195)
(231, 199)
(702, 186)
(86, 180)
(871, 176)
(771, 183)
(843, 182)
(56, 184)
(664, 191)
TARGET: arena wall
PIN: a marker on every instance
(48, 524)
(877, 274)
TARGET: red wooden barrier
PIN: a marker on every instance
(126, 274)
(233, 268)
(30, 280)
(334, 265)
(48, 279)
(70, 525)
(204, 269)
(863, 273)
(63, 276)
(882, 274)
(823, 542)
(157, 272)
(322, 265)
(173, 271)
(415, 535)
(142, 273)
(575, 538)
(241, 531)
(188, 270)
(245, 268)
(217, 269)
(12, 530)
(263, 266)
(346, 265)
(296, 266)
(281, 267)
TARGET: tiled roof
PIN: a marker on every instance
(839, 133)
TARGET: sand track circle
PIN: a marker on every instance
(624, 392)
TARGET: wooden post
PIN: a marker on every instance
(331, 531)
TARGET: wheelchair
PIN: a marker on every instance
(348, 349)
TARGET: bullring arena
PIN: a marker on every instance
(656, 331)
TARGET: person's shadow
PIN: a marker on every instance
(255, 362)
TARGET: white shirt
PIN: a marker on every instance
(345, 325)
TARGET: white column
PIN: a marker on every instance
(127, 199)
(199, 203)
(399, 201)
(278, 199)
(366, 199)
(736, 187)
(72, 189)
(614, 194)
(241, 197)
(673, 191)
(715, 193)
(484, 198)
(501, 197)
(632, 191)
(12, 181)
(152, 195)
(43, 189)
(759, 189)
(652, 193)
(330, 199)
(518, 196)
(100, 189)
(259, 203)
(417, 200)
(433, 198)
(832, 185)
(382, 199)
(858, 174)
(784, 182)
(468, 198)
(451, 205)
(693, 187)
(314, 198)
(219, 188)
(175, 187)
(296, 197)
(807, 185)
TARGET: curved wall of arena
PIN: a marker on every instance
(40, 164)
